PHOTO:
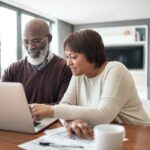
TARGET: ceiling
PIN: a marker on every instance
(88, 11)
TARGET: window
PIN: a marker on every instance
(12, 23)
(8, 37)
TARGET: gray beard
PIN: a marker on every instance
(40, 58)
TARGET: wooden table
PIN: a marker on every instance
(138, 138)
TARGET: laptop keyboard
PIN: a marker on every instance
(36, 123)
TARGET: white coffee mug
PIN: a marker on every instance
(108, 137)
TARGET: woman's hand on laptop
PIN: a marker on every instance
(40, 111)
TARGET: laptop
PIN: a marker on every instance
(14, 110)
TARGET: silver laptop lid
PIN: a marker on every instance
(14, 111)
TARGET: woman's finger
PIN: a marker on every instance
(85, 129)
(77, 130)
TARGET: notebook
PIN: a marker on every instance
(14, 110)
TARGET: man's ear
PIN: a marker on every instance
(49, 38)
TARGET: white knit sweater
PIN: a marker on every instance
(110, 96)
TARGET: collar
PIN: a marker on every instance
(45, 61)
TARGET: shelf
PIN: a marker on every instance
(122, 39)
(126, 35)
(127, 44)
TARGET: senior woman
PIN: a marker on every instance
(100, 91)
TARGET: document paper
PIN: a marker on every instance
(59, 136)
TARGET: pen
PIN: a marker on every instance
(60, 145)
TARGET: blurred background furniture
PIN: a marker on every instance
(146, 105)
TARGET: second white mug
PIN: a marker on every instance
(108, 137)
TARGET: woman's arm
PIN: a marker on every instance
(116, 90)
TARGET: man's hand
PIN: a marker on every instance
(40, 111)
(80, 128)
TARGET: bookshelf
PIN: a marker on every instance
(129, 36)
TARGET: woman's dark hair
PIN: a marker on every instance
(88, 42)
